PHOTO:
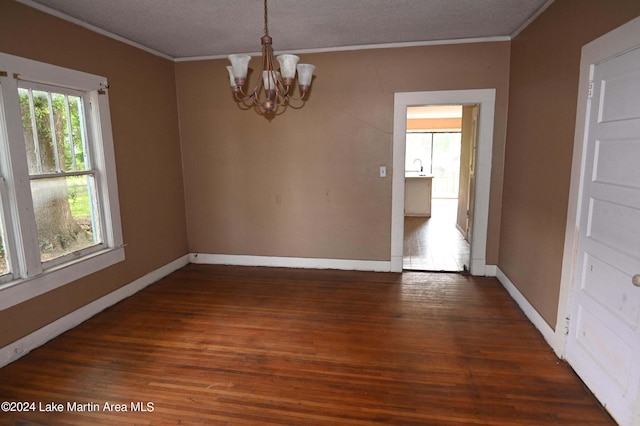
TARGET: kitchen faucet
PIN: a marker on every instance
(417, 159)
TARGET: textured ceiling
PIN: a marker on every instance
(202, 28)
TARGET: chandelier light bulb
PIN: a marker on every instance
(240, 66)
(305, 74)
(270, 80)
(232, 79)
(288, 67)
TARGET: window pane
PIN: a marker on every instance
(62, 141)
(446, 164)
(78, 128)
(67, 219)
(418, 152)
(45, 146)
(27, 127)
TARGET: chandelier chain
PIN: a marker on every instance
(266, 21)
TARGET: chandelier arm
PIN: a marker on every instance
(303, 97)
(243, 106)
(282, 109)
(279, 97)
(276, 101)
(241, 96)
(279, 109)
(248, 102)
(280, 100)
(295, 103)
(283, 89)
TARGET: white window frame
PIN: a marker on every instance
(30, 276)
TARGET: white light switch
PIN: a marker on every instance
(383, 171)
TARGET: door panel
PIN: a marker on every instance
(618, 297)
(604, 338)
(617, 162)
(619, 100)
(615, 225)
(603, 344)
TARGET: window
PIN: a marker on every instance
(438, 153)
(59, 212)
(419, 152)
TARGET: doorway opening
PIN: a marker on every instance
(485, 99)
(440, 156)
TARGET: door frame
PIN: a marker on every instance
(614, 43)
(485, 98)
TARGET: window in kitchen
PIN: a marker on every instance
(438, 154)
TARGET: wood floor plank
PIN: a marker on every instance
(254, 346)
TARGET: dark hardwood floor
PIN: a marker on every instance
(256, 346)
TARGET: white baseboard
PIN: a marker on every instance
(291, 262)
(491, 270)
(479, 268)
(397, 263)
(547, 332)
(19, 348)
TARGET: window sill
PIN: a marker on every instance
(21, 290)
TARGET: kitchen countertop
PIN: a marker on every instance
(413, 175)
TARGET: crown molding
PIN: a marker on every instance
(361, 47)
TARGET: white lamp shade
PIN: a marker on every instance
(231, 77)
(269, 78)
(305, 74)
(240, 65)
(288, 65)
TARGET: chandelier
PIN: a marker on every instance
(275, 89)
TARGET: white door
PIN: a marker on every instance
(603, 345)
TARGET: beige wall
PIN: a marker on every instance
(148, 159)
(542, 106)
(306, 184)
